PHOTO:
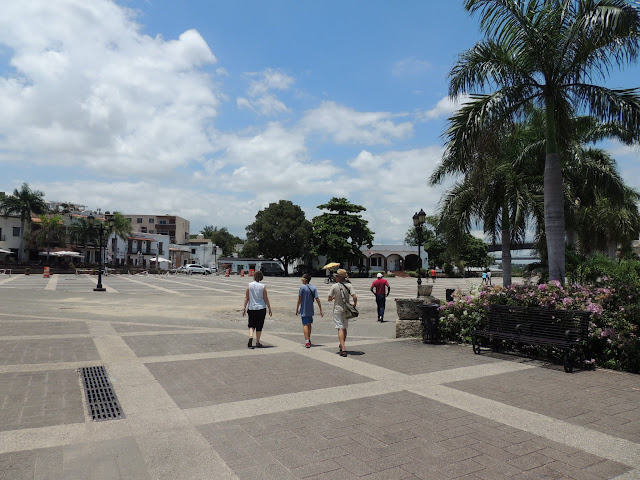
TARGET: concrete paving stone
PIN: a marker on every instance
(334, 475)
(265, 472)
(38, 399)
(530, 461)
(315, 468)
(464, 467)
(396, 473)
(572, 472)
(185, 343)
(606, 469)
(20, 328)
(128, 328)
(423, 471)
(25, 351)
(601, 400)
(246, 378)
(412, 357)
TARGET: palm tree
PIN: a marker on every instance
(50, 230)
(498, 188)
(122, 226)
(81, 232)
(546, 53)
(23, 202)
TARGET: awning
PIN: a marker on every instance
(141, 239)
(5, 251)
(159, 260)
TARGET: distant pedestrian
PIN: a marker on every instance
(489, 277)
(381, 289)
(484, 278)
(339, 293)
(256, 303)
(433, 275)
(306, 295)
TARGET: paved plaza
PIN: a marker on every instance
(198, 404)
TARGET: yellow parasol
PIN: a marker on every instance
(331, 265)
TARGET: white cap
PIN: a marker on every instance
(379, 275)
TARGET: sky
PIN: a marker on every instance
(213, 110)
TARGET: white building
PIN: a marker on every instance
(204, 252)
(139, 250)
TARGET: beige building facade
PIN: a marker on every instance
(176, 227)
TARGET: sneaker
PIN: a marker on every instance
(258, 345)
(307, 344)
(250, 344)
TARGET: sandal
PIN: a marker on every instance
(343, 353)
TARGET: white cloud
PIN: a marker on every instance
(410, 66)
(260, 97)
(273, 163)
(396, 181)
(88, 89)
(345, 125)
(444, 108)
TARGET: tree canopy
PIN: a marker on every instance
(339, 233)
(281, 231)
(221, 238)
(23, 202)
(546, 53)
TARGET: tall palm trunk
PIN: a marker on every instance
(506, 249)
(553, 199)
(554, 217)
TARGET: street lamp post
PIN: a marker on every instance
(418, 221)
(101, 230)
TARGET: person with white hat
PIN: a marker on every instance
(381, 289)
(339, 294)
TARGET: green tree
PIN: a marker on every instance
(122, 226)
(546, 53)
(49, 230)
(221, 238)
(250, 249)
(281, 231)
(475, 253)
(23, 202)
(340, 232)
(82, 233)
(497, 190)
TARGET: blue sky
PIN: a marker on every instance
(213, 110)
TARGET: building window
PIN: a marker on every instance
(16, 231)
(143, 229)
(152, 232)
(163, 222)
(193, 251)
(139, 220)
(160, 252)
(376, 261)
(151, 220)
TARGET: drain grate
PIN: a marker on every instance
(101, 398)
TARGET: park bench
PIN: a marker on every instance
(566, 330)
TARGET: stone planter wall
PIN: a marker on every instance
(408, 309)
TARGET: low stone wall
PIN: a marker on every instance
(408, 323)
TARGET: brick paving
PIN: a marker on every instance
(200, 405)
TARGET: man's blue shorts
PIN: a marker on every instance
(307, 320)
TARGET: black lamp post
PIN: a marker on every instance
(418, 221)
(101, 230)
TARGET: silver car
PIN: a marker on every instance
(192, 268)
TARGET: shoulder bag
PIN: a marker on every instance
(349, 310)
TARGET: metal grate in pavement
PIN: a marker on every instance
(101, 398)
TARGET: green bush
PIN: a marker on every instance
(612, 295)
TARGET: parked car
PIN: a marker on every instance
(192, 268)
(272, 269)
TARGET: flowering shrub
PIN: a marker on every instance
(615, 314)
